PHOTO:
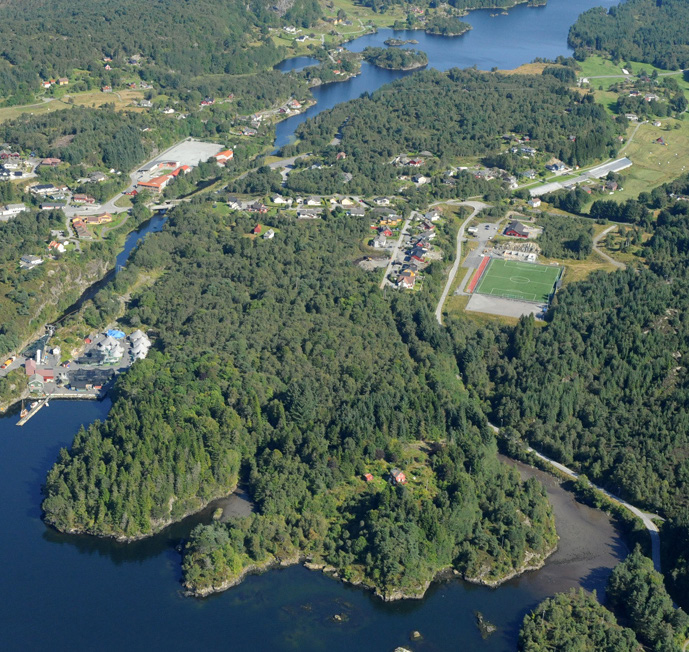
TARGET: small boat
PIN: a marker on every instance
(23, 412)
(33, 405)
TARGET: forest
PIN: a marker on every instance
(443, 113)
(48, 40)
(265, 371)
(446, 26)
(395, 58)
(639, 615)
(603, 387)
(636, 30)
(576, 621)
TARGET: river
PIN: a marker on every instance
(64, 592)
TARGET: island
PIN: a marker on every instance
(446, 26)
(395, 59)
(395, 42)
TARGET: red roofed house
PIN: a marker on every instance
(224, 156)
(398, 477)
(516, 230)
(157, 183)
(368, 477)
(51, 162)
(257, 229)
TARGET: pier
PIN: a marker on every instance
(42, 402)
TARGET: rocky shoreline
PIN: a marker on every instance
(417, 593)
(157, 527)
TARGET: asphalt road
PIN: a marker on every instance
(393, 256)
(477, 206)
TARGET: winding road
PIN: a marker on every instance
(646, 517)
(602, 254)
(477, 206)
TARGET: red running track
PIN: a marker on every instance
(471, 285)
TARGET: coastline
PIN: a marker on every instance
(415, 593)
(158, 527)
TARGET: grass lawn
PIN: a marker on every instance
(607, 99)
(655, 164)
(121, 100)
(124, 202)
(517, 280)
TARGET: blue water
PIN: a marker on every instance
(74, 593)
(505, 42)
(63, 592)
(153, 225)
(296, 64)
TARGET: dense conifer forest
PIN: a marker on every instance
(278, 361)
(443, 113)
(635, 599)
(575, 621)
(636, 30)
(48, 40)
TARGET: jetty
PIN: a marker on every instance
(29, 413)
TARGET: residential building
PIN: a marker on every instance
(29, 262)
(42, 189)
(97, 177)
(516, 230)
(111, 350)
(12, 210)
(398, 477)
(103, 218)
(269, 234)
(140, 345)
(534, 202)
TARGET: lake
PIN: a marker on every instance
(64, 592)
(504, 42)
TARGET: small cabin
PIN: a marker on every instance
(398, 477)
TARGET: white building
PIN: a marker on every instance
(111, 349)
(140, 345)
(12, 210)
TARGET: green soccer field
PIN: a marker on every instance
(515, 280)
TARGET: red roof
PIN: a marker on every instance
(368, 477)
(157, 182)
(257, 229)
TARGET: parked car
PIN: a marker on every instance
(8, 362)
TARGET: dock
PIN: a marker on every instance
(30, 413)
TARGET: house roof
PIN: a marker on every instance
(517, 227)
(156, 182)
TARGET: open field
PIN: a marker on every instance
(121, 100)
(655, 164)
(517, 280)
